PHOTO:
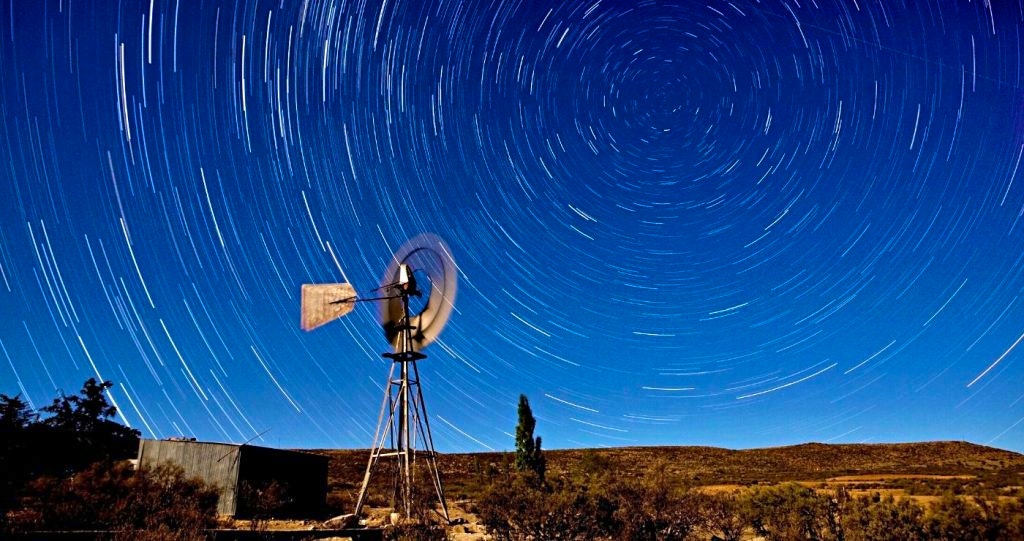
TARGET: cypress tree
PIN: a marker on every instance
(528, 451)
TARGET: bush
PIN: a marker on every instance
(656, 510)
(519, 508)
(594, 470)
(1011, 516)
(721, 514)
(339, 502)
(786, 512)
(261, 500)
(953, 518)
(156, 502)
(884, 519)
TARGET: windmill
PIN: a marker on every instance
(416, 297)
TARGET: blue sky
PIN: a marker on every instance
(736, 224)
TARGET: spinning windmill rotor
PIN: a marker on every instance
(425, 267)
(416, 296)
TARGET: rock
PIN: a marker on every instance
(341, 521)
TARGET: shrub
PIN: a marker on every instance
(339, 502)
(721, 515)
(518, 508)
(594, 470)
(156, 502)
(425, 521)
(655, 510)
(953, 518)
(261, 500)
(785, 512)
(1011, 516)
(884, 519)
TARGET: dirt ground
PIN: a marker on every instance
(466, 525)
(471, 530)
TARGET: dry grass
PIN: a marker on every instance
(884, 477)
(918, 469)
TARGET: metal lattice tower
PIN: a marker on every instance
(406, 426)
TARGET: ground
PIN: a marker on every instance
(921, 471)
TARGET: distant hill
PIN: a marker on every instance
(465, 473)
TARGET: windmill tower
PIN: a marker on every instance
(416, 296)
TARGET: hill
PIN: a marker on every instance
(916, 468)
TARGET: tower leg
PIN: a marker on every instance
(407, 416)
(428, 440)
(404, 446)
(379, 437)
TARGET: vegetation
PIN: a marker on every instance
(155, 503)
(77, 432)
(871, 519)
(515, 510)
(261, 500)
(529, 456)
(782, 512)
(596, 497)
(65, 471)
(425, 522)
(855, 492)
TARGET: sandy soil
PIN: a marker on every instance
(892, 477)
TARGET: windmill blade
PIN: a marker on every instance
(429, 257)
(323, 303)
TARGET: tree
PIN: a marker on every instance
(81, 431)
(77, 432)
(15, 413)
(83, 413)
(529, 456)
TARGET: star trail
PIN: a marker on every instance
(737, 224)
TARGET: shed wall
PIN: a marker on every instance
(301, 476)
(215, 463)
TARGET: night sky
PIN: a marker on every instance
(736, 224)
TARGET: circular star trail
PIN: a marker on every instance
(735, 223)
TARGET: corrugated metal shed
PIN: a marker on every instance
(240, 471)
